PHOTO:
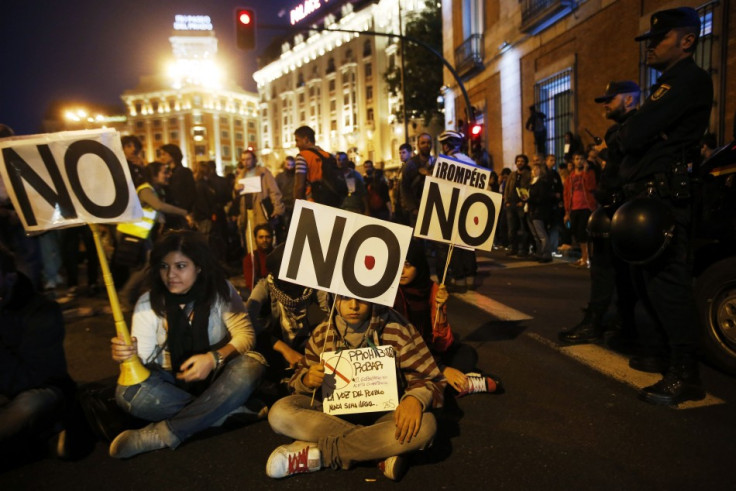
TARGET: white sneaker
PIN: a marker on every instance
(295, 458)
(133, 442)
(394, 467)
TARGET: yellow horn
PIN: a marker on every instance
(132, 371)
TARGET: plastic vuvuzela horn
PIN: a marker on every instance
(132, 371)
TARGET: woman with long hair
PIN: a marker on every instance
(424, 303)
(192, 331)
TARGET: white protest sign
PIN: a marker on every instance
(344, 253)
(250, 185)
(360, 380)
(70, 178)
(457, 214)
(459, 172)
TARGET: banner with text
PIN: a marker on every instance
(70, 178)
(360, 380)
(458, 214)
(344, 253)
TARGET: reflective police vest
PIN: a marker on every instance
(142, 228)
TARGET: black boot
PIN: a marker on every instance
(588, 330)
(681, 383)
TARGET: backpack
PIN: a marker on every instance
(332, 189)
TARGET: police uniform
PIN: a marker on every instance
(657, 143)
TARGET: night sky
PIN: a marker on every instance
(93, 50)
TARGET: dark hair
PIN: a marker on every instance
(152, 171)
(305, 132)
(684, 31)
(193, 245)
(289, 157)
(255, 157)
(417, 257)
(505, 171)
(405, 146)
(523, 157)
(709, 140)
(7, 260)
(174, 151)
(132, 139)
(262, 226)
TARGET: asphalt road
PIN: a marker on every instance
(569, 419)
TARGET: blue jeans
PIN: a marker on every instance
(33, 411)
(341, 442)
(158, 398)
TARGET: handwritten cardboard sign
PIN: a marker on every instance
(344, 253)
(458, 214)
(65, 179)
(360, 380)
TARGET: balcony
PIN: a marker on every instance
(469, 55)
(537, 15)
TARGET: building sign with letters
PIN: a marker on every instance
(360, 380)
(344, 253)
(66, 179)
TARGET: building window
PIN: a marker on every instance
(239, 136)
(197, 100)
(156, 123)
(158, 137)
(226, 151)
(369, 115)
(333, 125)
(703, 55)
(173, 122)
(368, 70)
(300, 80)
(200, 150)
(139, 125)
(223, 120)
(251, 125)
(331, 85)
(138, 107)
(225, 134)
(553, 97)
(330, 65)
(369, 92)
(154, 105)
(197, 118)
(367, 48)
(251, 137)
(239, 122)
(174, 135)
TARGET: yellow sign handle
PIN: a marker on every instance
(132, 371)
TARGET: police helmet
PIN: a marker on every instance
(599, 223)
(641, 229)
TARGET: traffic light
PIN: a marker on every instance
(245, 28)
(476, 134)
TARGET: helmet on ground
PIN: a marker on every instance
(599, 223)
(641, 229)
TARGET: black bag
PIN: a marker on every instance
(332, 189)
(106, 419)
(130, 251)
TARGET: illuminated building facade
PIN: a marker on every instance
(333, 82)
(193, 105)
(558, 56)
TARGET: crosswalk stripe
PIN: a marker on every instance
(616, 366)
(496, 309)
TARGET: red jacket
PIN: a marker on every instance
(589, 185)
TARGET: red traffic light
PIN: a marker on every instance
(244, 17)
(245, 28)
(476, 130)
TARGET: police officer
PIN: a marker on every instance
(657, 142)
(607, 272)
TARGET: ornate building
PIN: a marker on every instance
(193, 105)
(333, 82)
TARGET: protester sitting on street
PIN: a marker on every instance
(34, 383)
(326, 440)
(192, 332)
(579, 203)
(424, 303)
(280, 312)
(254, 263)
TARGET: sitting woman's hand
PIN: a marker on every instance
(455, 378)
(441, 296)
(197, 367)
(314, 377)
(122, 351)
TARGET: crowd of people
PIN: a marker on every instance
(210, 347)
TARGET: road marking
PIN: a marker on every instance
(496, 309)
(616, 366)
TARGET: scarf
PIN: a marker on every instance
(187, 327)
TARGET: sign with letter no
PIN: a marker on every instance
(344, 253)
(66, 179)
(456, 208)
(360, 380)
